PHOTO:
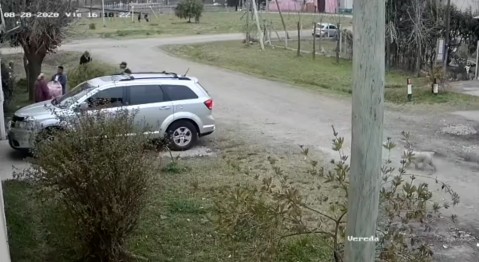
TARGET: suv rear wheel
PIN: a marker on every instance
(182, 135)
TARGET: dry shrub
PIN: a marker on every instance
(275, 209)
(99, 176)
(88, 71)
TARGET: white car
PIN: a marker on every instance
(165, 103)
(325, 30)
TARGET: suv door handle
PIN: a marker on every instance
(164, 107)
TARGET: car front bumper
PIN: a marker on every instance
(20, 138)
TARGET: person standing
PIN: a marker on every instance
(124, 68)
(42, 93)
(85, 58)
(61, 78)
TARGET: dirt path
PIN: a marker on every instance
(278, 114)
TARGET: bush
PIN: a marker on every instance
(187, 9)
(277, 210)
(85, 72)
(99, 177)
(92, 26)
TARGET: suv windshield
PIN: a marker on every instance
(72, 96)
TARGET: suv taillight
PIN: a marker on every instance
(209, 104)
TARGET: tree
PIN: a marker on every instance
(42, 31)
(188, 9)
(367, 128)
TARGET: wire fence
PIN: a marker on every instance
(336, 43)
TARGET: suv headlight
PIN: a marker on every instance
(27, 123)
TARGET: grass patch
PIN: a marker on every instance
(306, 249)
(49, 68)
(176, 225)
(36, 231)
(168, 25)
(185, 206)
(322, 74)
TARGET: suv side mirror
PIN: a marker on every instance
(81, 107)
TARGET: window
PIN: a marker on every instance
(177, 92)
(332, 27)
(145, 94)
(112, 97)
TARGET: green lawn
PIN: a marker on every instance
(169, 25)
(177, 223)
(322, 74)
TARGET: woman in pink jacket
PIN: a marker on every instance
(42, 93)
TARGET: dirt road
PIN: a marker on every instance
(278, 114)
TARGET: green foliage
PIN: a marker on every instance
(174, 167)
(92, 26)
(85, 72)
(100, 178)
(187, 9)
(245, 216)
(270, 214)
(305, 249)
(185, 206)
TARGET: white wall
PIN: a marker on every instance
(348, 4)
(4, 249)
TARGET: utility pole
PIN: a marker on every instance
(447, 40)
(367, 128)
(103, 11)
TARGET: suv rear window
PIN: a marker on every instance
(145, 94)
(179, 92)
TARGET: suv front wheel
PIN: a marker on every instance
(182, 135)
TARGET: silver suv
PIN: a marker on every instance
(167, 103)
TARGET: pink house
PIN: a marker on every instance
(321, 6)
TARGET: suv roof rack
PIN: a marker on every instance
(165, 73)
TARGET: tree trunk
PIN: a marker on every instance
(418, 58)
(25, 66)
(34, 68)
(299, 40)
(314, 40)
(338, 42)
(367, 128)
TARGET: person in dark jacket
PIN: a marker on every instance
(42, 93)
(124, 68)
(62, 78)
(85, 58)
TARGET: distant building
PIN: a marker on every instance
(313, 6)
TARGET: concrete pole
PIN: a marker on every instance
(103, 11)
(367, 127)
(3, 132)
(260, 32)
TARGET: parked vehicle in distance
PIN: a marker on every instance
(166, 103)
(325, 30)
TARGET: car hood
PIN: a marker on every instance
(38, 111)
